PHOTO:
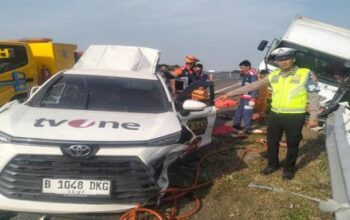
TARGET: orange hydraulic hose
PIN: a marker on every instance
(192, 212)
(133, 214)
(172, 194)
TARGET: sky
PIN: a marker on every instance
(221, 33)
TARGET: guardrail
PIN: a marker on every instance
(338, 151)
(234, 75)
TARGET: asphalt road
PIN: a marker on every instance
(223, 83)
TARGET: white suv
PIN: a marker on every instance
(98, 137)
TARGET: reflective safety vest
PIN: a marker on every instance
(289, 94)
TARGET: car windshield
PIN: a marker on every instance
(102, 93)
(325, 66)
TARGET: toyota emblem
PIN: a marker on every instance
(79, 151)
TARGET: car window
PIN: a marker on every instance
(55, 93)
(104, 94)
(12, 57)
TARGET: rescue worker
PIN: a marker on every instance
(199, 94)
(187, 70)
(247, 100)
(198, 73)
(184, 74)
(292, 89)
(168, 76)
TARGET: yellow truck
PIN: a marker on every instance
(29, 62)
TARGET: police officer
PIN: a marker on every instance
(293, 90)
(247, 100)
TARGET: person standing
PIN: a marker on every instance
(198, 74)
(262, 99)
(293, 90)
(184, 73)
(199, 93)
(187, 69)
(247, 100)
(168, 76)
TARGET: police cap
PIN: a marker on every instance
(283, 53)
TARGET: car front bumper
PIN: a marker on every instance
(132, 171)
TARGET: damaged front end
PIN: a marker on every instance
(187, 143)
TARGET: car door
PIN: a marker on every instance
(200, 123)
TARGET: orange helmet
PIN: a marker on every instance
(191, 59)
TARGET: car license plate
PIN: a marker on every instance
(74, 187)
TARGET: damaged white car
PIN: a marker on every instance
(98, 137)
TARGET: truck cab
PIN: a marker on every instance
(321, 47)
(28, 62)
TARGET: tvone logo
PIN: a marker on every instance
(85, 123)
(81, 123)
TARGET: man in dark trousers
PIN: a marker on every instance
(247, 100)
(293, 90)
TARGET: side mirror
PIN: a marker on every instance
(262, 45)
(192, 105)
(33, 90)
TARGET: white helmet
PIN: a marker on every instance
(283, 53)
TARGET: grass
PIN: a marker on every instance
(230, 197)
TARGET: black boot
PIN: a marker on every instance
(237, 127)
(248, 131)
(269, 170)
(288, 174)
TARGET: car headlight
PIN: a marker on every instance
(4, 138)
(165, 140)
